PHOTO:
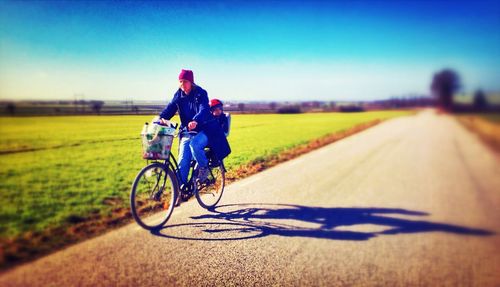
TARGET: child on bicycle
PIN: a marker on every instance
(216, 108)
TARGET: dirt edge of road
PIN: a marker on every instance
(33, 245)
(487, 131)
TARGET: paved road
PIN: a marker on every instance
(413, 201)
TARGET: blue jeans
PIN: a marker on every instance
(189, 147)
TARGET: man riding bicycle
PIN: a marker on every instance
(199, 128)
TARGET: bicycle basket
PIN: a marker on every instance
(157, 142)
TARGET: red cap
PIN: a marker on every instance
(215, 102)
(186, 75)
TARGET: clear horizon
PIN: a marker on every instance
(240, 51)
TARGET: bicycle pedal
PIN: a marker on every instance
(202, 185)
(185, 196)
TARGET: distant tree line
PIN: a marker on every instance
(446, 83)
(80, 107)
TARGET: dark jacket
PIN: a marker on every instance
(194, 107)
(223, 122)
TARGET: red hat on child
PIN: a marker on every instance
(215, 103)
(186, 75)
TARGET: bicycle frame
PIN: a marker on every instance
(169, 168)
(174, 165)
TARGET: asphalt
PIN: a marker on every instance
(414, 201)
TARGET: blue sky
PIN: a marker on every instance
(244, 50)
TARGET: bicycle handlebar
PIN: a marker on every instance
(170, 125)
(175, 125)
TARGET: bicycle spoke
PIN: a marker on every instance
(208, 194)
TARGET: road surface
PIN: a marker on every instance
(414, 201)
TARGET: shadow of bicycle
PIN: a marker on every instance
(246, 221)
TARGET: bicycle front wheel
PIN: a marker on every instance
(209, 193)
(153, 195)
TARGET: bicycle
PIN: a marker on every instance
(156, 191)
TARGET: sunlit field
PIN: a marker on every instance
(58, 170)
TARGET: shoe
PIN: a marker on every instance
(186, 192)
(202, 174)
(183, 187)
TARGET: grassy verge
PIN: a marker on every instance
(67, 178)
(494, 118)
(486, 126)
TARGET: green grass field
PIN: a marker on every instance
(56, 169)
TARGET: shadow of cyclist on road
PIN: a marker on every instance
(243, 221)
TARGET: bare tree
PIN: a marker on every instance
(444, 84)
(11, 108)
(272, 106)
(97, 106)
(480, 102)
(135, 109)
(241, 106)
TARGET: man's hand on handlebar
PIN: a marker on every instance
(192, 125)
(164, 122)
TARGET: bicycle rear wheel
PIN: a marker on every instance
(153, 195)
(210, 192)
